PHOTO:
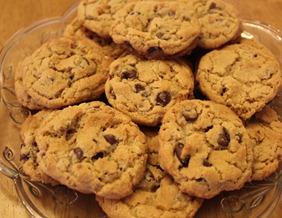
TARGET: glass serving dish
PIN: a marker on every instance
(256, 199)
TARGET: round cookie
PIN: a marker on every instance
(156, 29)
(75, 28)
(62, 72)
(265, 131)
(145, 89)
(242, 76)
(29, 148)
(156, 196)
(97, 15)
(219, 22)
(205, 147)
(93, 148)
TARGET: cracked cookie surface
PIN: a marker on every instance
(242, 76)
(265, 131)
(93, 148)
(62, 72)
(157, 194)
(156, 29)
(219, 22)
(97, 15)
(76, 28)
(29, 148)
(205, 147)
(145, 89)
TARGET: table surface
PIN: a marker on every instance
(20, 13)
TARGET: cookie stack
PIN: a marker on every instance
(151, 106)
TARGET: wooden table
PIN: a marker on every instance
(20, 13)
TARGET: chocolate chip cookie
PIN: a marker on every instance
(205, 147)
(243, 76)
(93, 148)
(219, 22)
(156, 29)
(145, 89)
(62, 72)
(265, 131)
(29, 148)
(76, 28)
(97, 15)
(156, 196)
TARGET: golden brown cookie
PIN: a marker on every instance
(97, 15)
(156, 196)
(145, 89)
(265, 131)
(156, 29)
(29, 148)
(76, 28)
(219, 22)
(205, 147)
(242, 76)
(92, 148)
(62, 72)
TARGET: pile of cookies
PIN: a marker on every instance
(151, 106)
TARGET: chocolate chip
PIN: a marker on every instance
(155, 51)
(129, 74)
(223, 138)
(69, 134)
(206, 163)
(24, 157)
(178, 151)
(191, 116)
(97, 156)
(79, 153)
(139, 88)
(160, 35)
(223, 91)
(212, 6)
(163, 98)
(187, 19)
(111, 139)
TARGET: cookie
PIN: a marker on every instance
(156, 29)
(62, 72)
(242, 76)
(97, 15)
(219, 22)
(265, 131)
(205, 147)
(93, 148)
(145, 89)
(76, 28)
(29, 148)
(156, 196)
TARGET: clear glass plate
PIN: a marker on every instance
(258, 199)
